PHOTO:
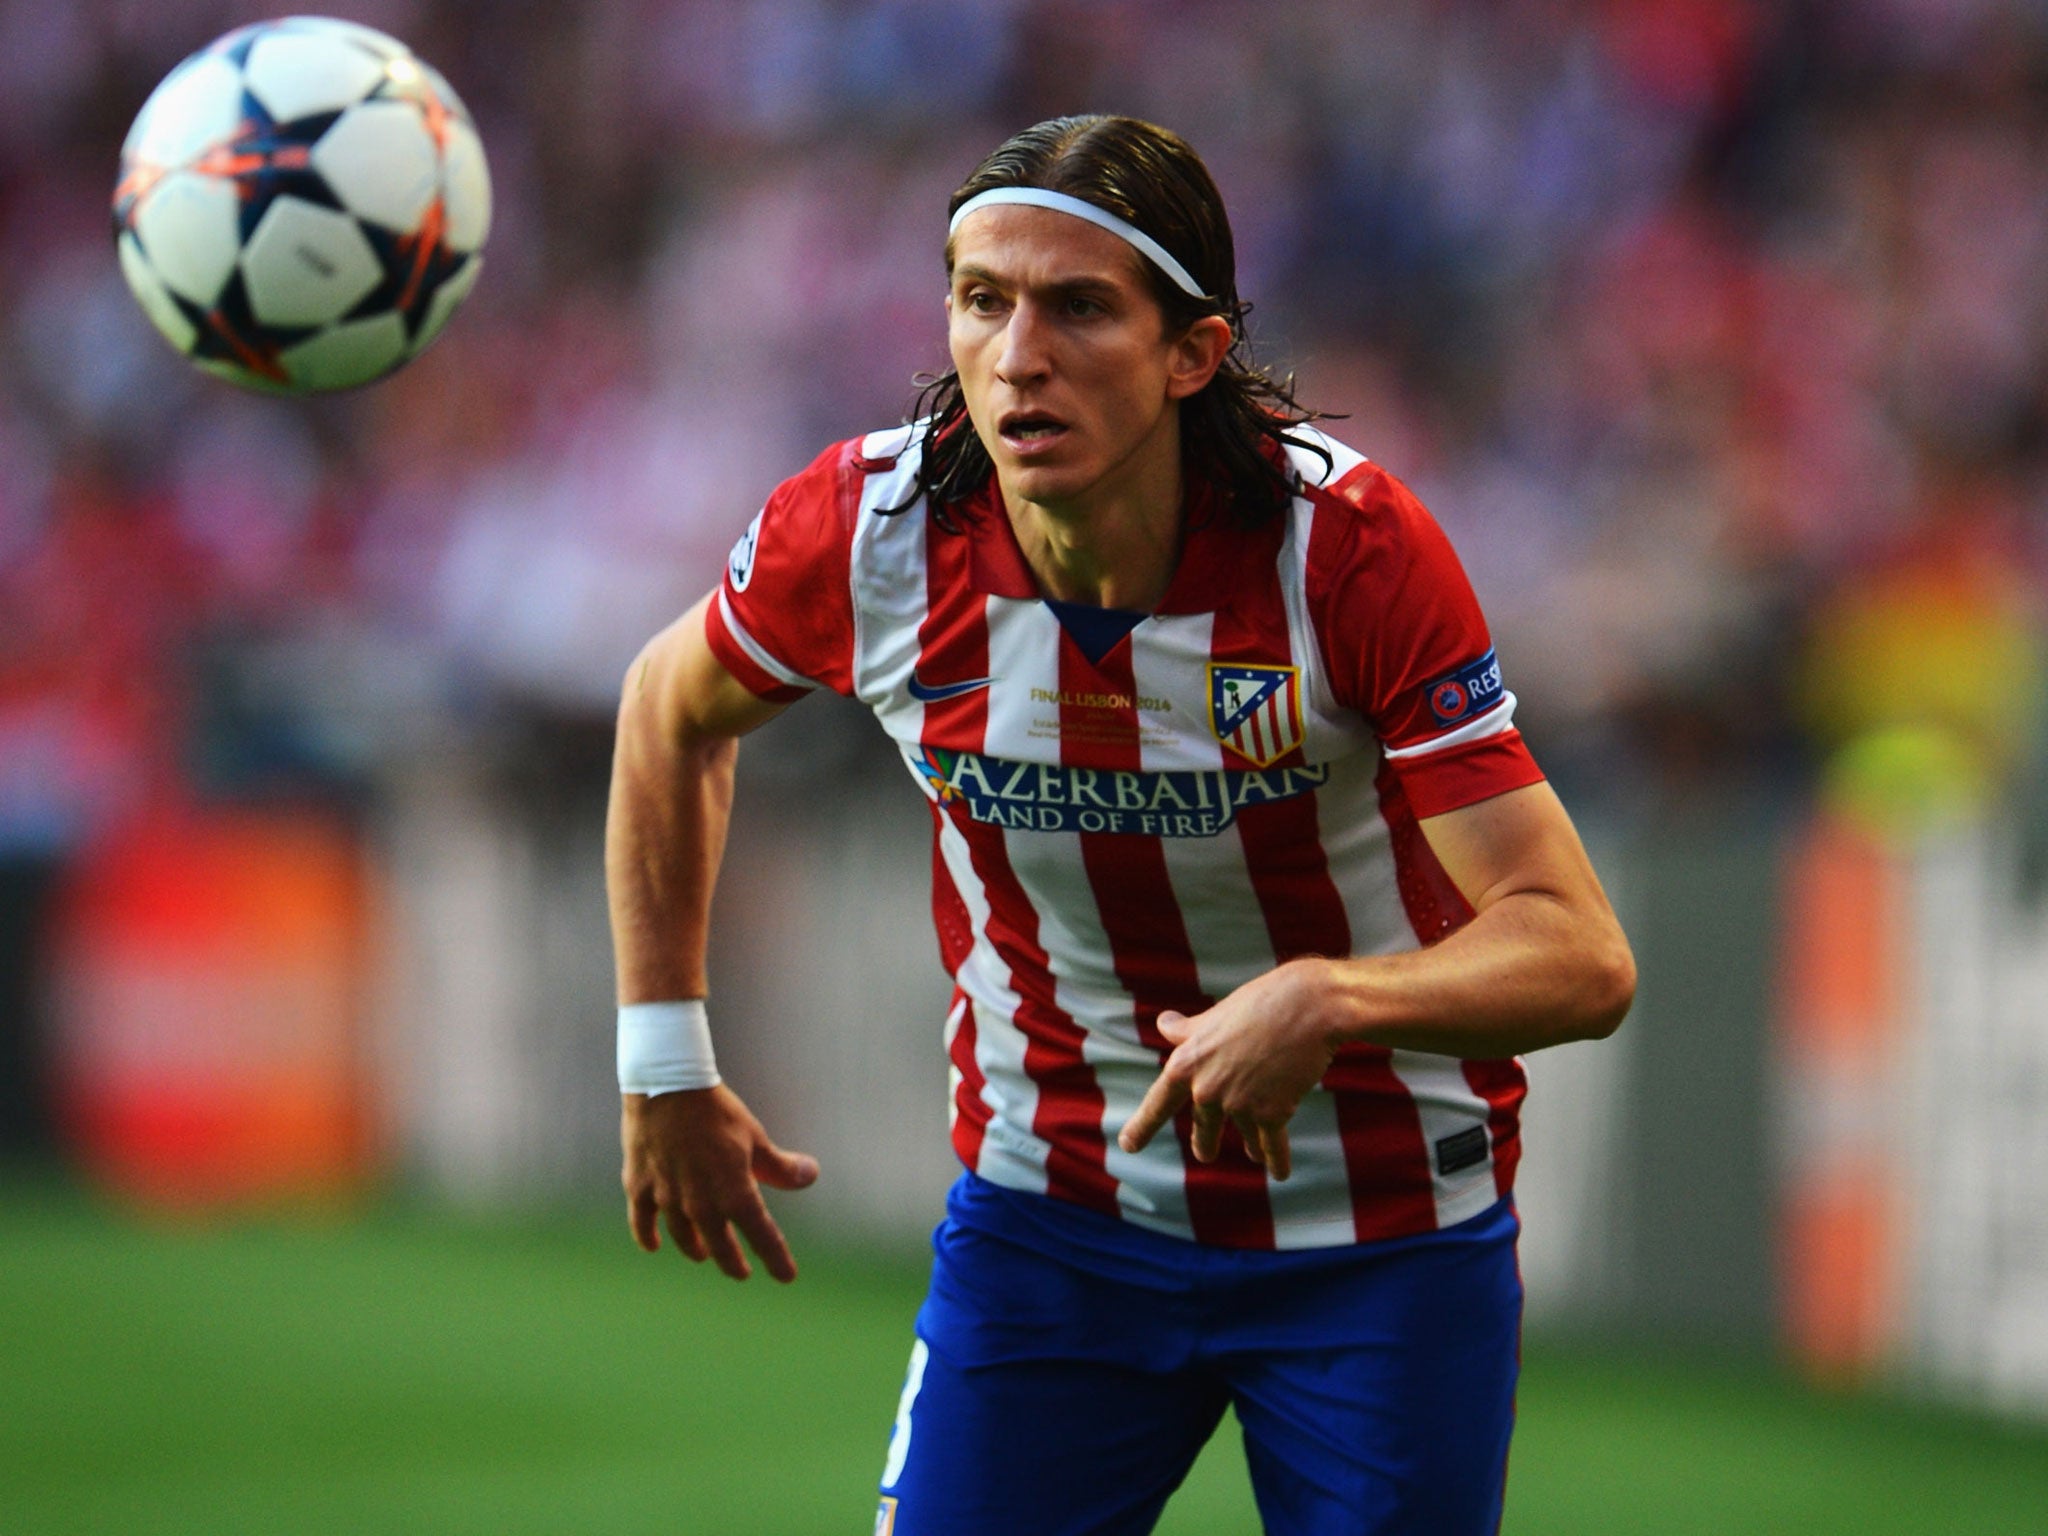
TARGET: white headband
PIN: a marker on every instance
(1059, 202)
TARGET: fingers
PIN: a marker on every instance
(1161, 1103)
(684, 1233)
(699, 1234)
(1274, 1150)
(1168, 1092)
(696, 1162)
(1265, 1141)
(723, 1247)
(766, 1239)
(717, 1236)
(705, 1230)
(784, 1170)
(641, 1213)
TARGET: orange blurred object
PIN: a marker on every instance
(212, 1046)
(1843, 995)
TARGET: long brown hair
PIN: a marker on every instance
(1232, 430)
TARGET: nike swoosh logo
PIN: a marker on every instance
(932, 693)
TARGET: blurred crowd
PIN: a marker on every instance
(1715, 331)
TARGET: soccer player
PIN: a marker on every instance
(1250, 890)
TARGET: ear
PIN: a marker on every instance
(1196, 357)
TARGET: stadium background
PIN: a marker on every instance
(1717, 335)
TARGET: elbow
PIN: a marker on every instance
(656, 710)
(634, 690)
(1610, 986)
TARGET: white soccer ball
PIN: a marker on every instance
(302, 205)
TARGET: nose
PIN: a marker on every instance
(1022, 356)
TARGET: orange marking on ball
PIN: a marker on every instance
(435, 111)
(257, 361)
(134, 187)
(419, 247)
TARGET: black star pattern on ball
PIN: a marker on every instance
(230, 333)
(415, 265)
(267, 159)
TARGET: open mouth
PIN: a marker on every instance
(1030, 429)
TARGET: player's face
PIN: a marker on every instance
(1068, 372)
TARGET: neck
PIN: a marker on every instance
(1115, 547)
(1107, 562)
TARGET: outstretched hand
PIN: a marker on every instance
(696, 1160)
(1247, 1060)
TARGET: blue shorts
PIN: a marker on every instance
(1069, 1368)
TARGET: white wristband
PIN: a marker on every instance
(665, 1047)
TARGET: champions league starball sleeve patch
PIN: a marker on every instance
(1468, 692)
(783, 621)
(739, 565)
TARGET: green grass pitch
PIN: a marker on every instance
(414, 1372)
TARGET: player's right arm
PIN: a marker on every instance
(695, 1159)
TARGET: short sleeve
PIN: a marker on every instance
(782, 620)
(1407, 646)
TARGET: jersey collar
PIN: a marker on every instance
(1216, 554)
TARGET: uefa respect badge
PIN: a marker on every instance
(1469, 691)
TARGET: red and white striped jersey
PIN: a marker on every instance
(1145, 819)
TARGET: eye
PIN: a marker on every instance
(980, 301)
(1083, 308)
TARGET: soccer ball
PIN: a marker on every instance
(302, 205)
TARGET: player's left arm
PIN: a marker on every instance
(1541, 962)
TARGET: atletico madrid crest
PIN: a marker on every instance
(1256, 711)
